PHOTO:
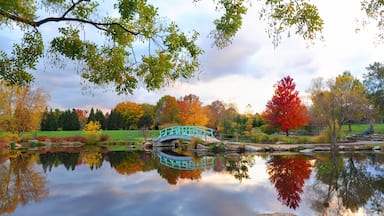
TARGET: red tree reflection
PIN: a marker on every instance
(288, 175)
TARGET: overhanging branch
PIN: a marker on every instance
(36, 24)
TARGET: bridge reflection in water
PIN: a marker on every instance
(181, 162)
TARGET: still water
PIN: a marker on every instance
(93, 181)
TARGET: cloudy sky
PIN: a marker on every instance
(242, 73)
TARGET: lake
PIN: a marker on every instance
(101, 181)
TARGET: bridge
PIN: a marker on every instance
(182, 162)
(187, 132)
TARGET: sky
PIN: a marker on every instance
(242, 73)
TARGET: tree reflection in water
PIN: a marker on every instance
(345, 183)
(340, 184)
(288, 174)
(20, 183)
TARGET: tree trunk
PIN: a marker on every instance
(287, 133)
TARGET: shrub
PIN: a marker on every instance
(260, 138)
(10, 137)
(268, 130)
(104, 137)
(42, 138)
(55, 139)
(92, 131)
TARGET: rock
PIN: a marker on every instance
(322, 148)
(306, 150)
(252, 148)
(147, 145)
(202, 147)
(231, 147)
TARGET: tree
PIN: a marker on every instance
(115, 121)
(131, 113)
(82, 116)
(337, 102)
(113, 62)
(69, 120)
(191, 111)
(215, 111)
(167, 111)
(285, 110)
(100, 117)
(49, 121)
(374, 84)
(21, 108)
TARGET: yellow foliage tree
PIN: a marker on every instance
(21, 108)
(92, 131)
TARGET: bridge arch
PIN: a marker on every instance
(185, 162)
(187, 132)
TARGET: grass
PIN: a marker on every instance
(359, 128)
(118, 135)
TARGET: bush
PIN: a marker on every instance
(260, 138)
(92, 131)
(10, 137)
(268, 130)
(104, 137)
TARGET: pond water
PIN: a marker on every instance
(93, 181)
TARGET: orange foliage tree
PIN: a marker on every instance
(167, 111)
(288, 175)
(285, 110)
(192, 112)
(131, 112)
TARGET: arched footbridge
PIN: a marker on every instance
(187, 132)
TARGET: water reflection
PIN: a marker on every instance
(20, 183)
(288, 174)
(320, 184)
(345, 183)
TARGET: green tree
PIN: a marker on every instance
(49, 121)
(115, 121)
(115, 62)
(68, 120)
(374, 86)
(91, 116)
(337, 102)
(100, 117)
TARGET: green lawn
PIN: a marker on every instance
(122, 135)
(359, 128)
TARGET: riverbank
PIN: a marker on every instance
(281, 147)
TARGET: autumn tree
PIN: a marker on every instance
(285, 110)
(82, 116)
(167, 111)
(191, 111)
(215, 112)
(21, 108)
(131, 113)
(337, 102)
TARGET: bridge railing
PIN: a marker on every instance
(198, 131)
(187, 164)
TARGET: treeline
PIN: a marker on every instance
(168, 111)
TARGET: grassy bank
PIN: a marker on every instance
(359, 128)
(118, 135)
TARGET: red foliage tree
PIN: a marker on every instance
(288, 176)
(285, 110)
